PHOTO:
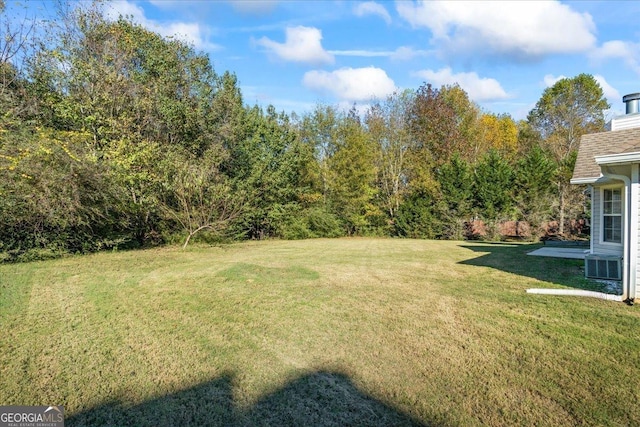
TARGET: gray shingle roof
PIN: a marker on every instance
(603, 143)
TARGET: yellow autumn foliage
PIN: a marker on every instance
(498, 132)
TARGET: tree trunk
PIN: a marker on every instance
(562, 211)
(192, 233)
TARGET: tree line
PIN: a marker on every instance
(112, 136)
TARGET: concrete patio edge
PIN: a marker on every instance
(560, 252)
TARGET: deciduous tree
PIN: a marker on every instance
(197, 196)
(386, 124)
(567, 110)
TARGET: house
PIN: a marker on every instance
(609, 162)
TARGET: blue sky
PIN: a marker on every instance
(295, 54)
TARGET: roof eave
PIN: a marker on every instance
(618, 159)
(582, 181)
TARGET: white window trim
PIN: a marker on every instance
(622, 214)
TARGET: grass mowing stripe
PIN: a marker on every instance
(323, 332)
(15, 289)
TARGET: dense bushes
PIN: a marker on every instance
(160, 148)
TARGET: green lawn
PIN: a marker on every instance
(317, 332)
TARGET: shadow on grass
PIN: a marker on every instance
(317, 399)
(513, 258)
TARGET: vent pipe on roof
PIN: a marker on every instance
(632, 101)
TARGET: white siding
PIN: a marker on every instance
(625, 122)
(596, 221)
(637, 228)
(596, 228)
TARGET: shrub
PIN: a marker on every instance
(416, 217)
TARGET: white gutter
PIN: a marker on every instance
(617, 159)
(578, 181)
(627, 296)
(634, 196)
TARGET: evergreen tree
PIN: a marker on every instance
(493, 187)
(418, 218)
(456, 189)
(534, 189)
(353, 168)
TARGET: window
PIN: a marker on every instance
(612, 215)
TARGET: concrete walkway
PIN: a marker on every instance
(560, 252)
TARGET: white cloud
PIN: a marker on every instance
(521, 29)
(549, 79)
(302, 44)
(609, 91)
(351, 84)
(124, 8)
(372, 8)
(191, 33)
(479, 89)
(618, 49)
